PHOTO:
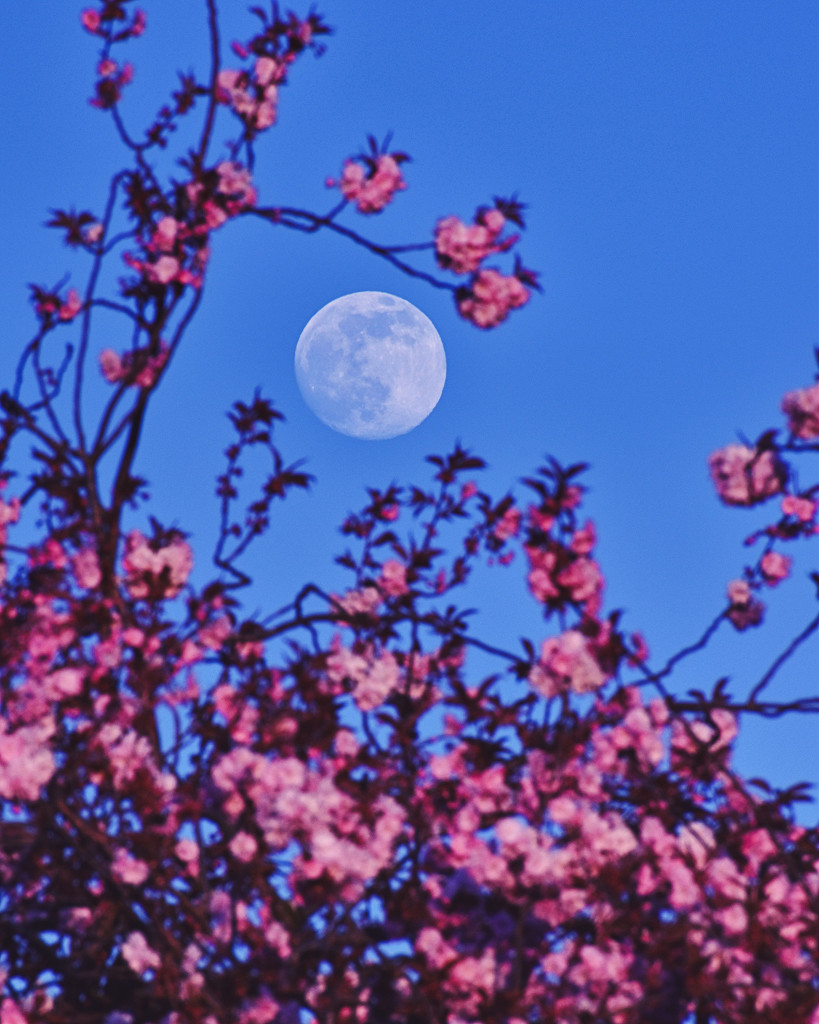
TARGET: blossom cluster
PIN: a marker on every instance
(490, 297)
(158, 568)
(252, 92)
(355, 778)
(48, 305)
(462, 248)
(137, 368)
(370, 180)
(747, 476)
(112, 24)
(253, 96)
(174, 248)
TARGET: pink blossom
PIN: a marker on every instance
(461, 247)
(371, 189)
(235, 182)
(584, 581)
(802, 409)
(508, 525)
(253, 101)
(393, 579)
(540, 579)
(71, 306)
(359, 602)
(148, 568)
(187, 851)
(745, 610)
(380, 679)
(26, 760)
(432, 945)
(803, 509)
(277, 936)
(714, 734)
(267, 70)
(163, 271)
(743, 476)
(775, 567)
(86, 567)
(490, 298)
(166, 234)
(93, 233)
(243, 847)
(127, 868)
(109, 85)
(685, 893)
(584, 539)
(111, 365)
(139, 955)
(90, 20)
(66, 682)
(10, 1013)
(566, 662)
(757, 847)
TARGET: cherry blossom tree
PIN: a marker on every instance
(323, 815)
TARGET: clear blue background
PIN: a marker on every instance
(668, 154)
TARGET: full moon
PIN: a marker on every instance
(370, 365)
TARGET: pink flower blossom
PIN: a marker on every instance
(774, 567)
(490, 297)
(163, 271)
(379, 680)
(802, 409)
(584, 581)
(359, 602)
(109, 84)
(187, 851)
(584, 539)
(165, 234)
(26, 760)
(10, 1013)
(71, 306)
(393, 579)
(540, 579)
(235, 182)
(66, 682)
(111, 365)
(86, 567)
(138, 954)
(243, 847)
(371, 188)
(138, 368)
(743, 476)
(92, 234)
(745, 610)
(716, 733)
(461, 247)
(148, 569)
(803, 509)
(757, 847)
(508, 525)
(127, 868)
(90, 20)
(254, 100)
(566, 663)
(685, 893)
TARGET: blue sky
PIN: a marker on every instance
(667, 153)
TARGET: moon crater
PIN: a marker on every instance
(370, 365)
